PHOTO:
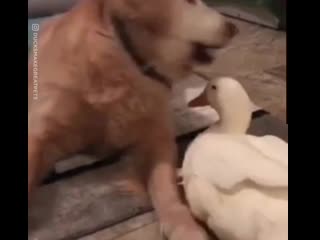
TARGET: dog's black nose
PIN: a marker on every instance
(230, 30)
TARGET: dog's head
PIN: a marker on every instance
(173, 35)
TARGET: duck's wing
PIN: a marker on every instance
(225, 161)
(272, 147)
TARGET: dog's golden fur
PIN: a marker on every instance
(91, 96)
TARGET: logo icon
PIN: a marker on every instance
(35, 27)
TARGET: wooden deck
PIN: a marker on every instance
(100, 203)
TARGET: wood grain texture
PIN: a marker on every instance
(85, 203)
(267, 90)
(150, 232)
(144, 226)
(279, 71)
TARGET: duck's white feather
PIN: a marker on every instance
(248, 213)
(227, 160)
(273, 147)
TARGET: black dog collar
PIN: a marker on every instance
(145, 68)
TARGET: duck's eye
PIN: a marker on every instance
(213, 87)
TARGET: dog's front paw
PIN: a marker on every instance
(181, 226)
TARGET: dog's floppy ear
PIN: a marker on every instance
(199, 101)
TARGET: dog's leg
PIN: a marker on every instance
(45, 147)
(40, 161)
(156, 159)
(56, 130)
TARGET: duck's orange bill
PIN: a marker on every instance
(199, 101)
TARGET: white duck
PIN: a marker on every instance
(234, 182)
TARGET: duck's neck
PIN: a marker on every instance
(233, 121)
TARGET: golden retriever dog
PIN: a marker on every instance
(104, 71)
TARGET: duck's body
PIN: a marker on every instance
(238, 183)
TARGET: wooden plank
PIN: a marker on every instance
(103, 197)
(267, 90)
(85, 203)
(129, 229)
(266, 13)
(124, 231)
(151, 232)
(279, 71)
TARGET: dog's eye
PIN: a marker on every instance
(213, 87)
(192, 1)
